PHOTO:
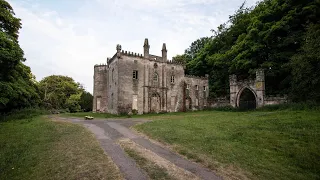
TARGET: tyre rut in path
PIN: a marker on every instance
(109, 131)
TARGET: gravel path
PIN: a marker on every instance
(109, 131)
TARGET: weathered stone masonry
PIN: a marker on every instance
(146, 83)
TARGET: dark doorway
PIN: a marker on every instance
(247, 100)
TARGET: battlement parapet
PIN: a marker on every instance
(175, 62)
(133, 54)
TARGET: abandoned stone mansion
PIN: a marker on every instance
(146, 83)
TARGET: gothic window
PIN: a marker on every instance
(197, 87)
(155, 77)
(135, 74)
(172, 79)
(204, 88)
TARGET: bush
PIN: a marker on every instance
(291, 106)
(222, 108)
(23, 114)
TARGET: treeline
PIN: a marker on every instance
(280, 36)
(18, 86)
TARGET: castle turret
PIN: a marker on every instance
(164, 53)
(118, 50)
(146, 48)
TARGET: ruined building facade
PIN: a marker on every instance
(146, 83)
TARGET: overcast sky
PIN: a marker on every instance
(68, 37)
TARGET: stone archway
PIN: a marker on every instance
(155, 102)
(254, 89)
(246, 99)
(188, 103)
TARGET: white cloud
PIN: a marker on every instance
(71, 42)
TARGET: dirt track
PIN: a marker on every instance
(109, 131)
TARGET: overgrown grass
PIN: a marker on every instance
(291, 106)
(38, 148)
(258, 144)
(22, 114)
(153, 170)
(95, 115)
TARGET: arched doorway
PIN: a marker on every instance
(188, 103)
(155, 103)
(247, 100)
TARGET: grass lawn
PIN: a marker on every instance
(39, 148)
(257, 145)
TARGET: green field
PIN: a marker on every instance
(38, 148)
(257, 145)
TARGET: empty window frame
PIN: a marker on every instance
(197, 87)
(135, 74)
(204, 88)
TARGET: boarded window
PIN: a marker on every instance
(173, 103)
(135, 74)
(98, 103)
(135, 102)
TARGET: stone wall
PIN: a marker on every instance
(218, 102)
(197, 90)
(272, 100)
(118, 92)
(112, 86)
(99, 88)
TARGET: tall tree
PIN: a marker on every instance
(269, 36)
(17, 87)
(86, 101)
(56, 90)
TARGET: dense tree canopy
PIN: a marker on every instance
(17, 85)
(274, 35)
(62, 92)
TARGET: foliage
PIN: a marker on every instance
(62, 92)
(72, 103)
(17, 85)
(86, 101)
(267, 36)
(306, 67)
(291, 106)
(245, 145)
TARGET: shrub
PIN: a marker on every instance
(291, 106)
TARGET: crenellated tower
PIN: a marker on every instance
(164, 53)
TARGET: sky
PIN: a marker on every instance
(68, 37)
